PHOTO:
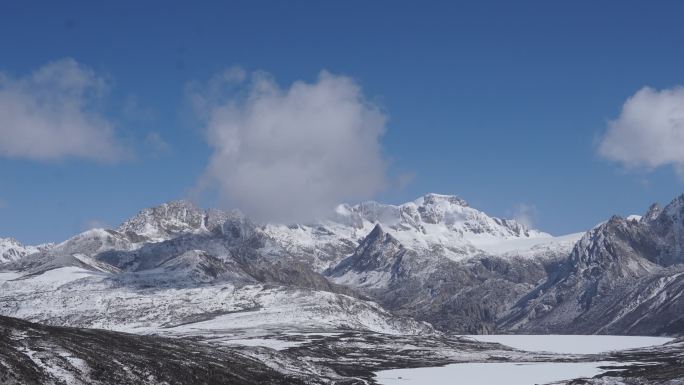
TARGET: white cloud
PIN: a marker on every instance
(52, 114)
(649, 132)
(525, 214)
(291, 154)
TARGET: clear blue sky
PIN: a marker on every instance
(501, 103)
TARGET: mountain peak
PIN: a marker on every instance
(376, 233)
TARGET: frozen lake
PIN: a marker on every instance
(521, 373)
(572, 344)
(490, 373)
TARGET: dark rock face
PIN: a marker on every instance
(623, 277)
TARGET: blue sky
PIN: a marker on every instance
(502, 103)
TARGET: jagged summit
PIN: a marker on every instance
(434, 219)
(175, 218)
(448, 210)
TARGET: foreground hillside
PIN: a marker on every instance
(33, 354)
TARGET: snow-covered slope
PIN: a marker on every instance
(34, 354)
(133, 302)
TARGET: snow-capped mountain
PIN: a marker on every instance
(443, 225)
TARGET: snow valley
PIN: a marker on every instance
(369, 288)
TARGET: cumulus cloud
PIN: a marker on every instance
(291, 154)
(52, 114)
(649, 132)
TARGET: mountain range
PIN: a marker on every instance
(435, 262)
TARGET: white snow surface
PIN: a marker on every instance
(572, 344)
(491, 373)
